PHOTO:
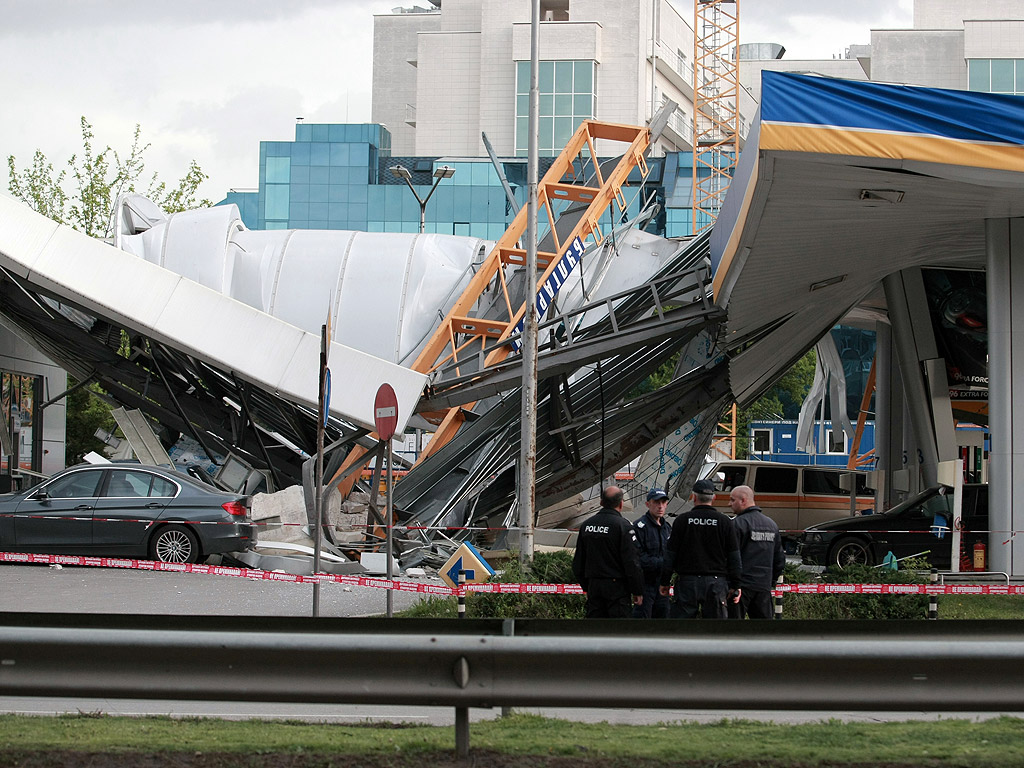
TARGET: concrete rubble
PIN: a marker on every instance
(283, 540)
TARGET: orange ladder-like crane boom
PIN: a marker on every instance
(461, 333)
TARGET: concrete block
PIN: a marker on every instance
(377, 563)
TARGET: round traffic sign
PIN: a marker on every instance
(385, 412)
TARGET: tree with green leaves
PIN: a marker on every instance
(781, 401)
(82, 195)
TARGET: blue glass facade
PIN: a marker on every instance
(247, 205)
(996, 75)
(337, 176)
(320, 180)
(566, 98)
(471, 202)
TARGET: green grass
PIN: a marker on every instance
(981, 607)
(431, 607)
(951, 607)
(511, 741)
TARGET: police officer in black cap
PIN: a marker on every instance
(652, 531)
(704, 551)
(606, 563)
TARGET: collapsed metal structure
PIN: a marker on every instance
(840, 200)
(591, 418)
(620, 304)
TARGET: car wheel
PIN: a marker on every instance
(174, 544)
(850, 551)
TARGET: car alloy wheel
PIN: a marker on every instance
(850, 551)
(175, 544)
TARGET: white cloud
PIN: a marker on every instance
(206, 81)
(820, 29)
(209, 80)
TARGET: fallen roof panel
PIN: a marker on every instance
(196, 320)
(843, 183)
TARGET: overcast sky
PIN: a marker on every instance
(208, 79)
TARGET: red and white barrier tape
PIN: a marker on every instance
(407, 528)
(520, 589)
(258, 575)
(148, 521)
(901, 589)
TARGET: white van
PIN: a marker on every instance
(796, 496)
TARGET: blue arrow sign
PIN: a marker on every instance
(453, 572)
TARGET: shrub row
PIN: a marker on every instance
(556, 568)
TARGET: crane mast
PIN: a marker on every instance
(715, 106)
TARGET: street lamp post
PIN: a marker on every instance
(401, 172)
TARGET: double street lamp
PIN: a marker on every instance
(401, 172)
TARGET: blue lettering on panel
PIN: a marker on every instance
(551, 286)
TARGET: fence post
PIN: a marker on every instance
(508, 628)
(778, 599)
(462, 594)
(933, 599)
(462, 713)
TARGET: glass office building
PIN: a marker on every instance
(338, 176)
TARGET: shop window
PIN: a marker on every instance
(21, 397)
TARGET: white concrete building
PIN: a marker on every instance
(444, 74)
(975, 45)
(757, 57)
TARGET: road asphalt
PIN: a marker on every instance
(74, 589)
(71, 589)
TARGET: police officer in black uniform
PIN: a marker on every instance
(761, 553)
(705, 553)
(652, 531)
(606, 563)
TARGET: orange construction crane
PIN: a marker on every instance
(716, 115)
(576, 178)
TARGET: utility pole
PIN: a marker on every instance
(528, 439)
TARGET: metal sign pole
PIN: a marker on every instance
(390, 531)
(385, 419)
(318, 501)
(528, 435)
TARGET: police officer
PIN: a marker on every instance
(652, 533)
(761, 553)
(606, 563)
(703, 550)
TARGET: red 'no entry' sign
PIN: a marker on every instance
(385, 412)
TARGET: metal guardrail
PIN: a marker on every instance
(884, 666)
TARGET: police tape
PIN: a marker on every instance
(255, 523)
(900, 589)
(259, 575)
(497, 587)
(400, 528)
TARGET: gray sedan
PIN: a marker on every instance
(125, 510)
